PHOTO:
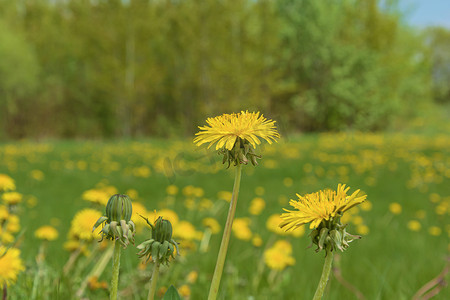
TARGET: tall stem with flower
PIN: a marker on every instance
(323, 210)
(236, 136)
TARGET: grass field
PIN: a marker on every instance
(406, 178)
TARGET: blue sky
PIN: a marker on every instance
(424, 13)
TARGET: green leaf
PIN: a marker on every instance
(171, 294)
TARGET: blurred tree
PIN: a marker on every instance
(138, 67)
(438, 40)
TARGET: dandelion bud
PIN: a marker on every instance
(119, 208)
(161, 246)
(118, 224)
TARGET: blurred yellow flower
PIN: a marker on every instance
(47, 233)
(362, 229)
(435, 231)
(4, 213)
(10, 265)
(259, 190)
(241, 229)
(138, 211)
(96, 196)
(421, 214)
(212, 224)
(13, 224)
(319, 206)
(225, 195)
(6, 183)
(188, 190)
(186, 231)
(192, 277)
(198, 192)
(6, 238)
(82, 224)
(142, 171)
(168, 214)
(37, 175)
(257, 205)
(288, 182)
(133, 194)
(257, 240)
(12, 198)
(184, 290)
(278, 257)
(395, 208)
(227, 128)
(172, 190)
(414, 225)
(366, 205)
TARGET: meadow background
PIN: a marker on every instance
(99, 97)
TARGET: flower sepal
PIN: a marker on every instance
(241, 153)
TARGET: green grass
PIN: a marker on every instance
(390, 262)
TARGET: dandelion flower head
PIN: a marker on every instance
(227, 128)
(10, 265)
(317, 207)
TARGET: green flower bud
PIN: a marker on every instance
(161, 246)
(117, 222)
(119, 208)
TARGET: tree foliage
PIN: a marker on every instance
(137, 67)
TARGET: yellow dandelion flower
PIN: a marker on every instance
(362, 229)
(12, 198)
(170, 215)
(13, 224)
(257, 240)
(395, 208)
(257, 205)
(81, 226)
(319, 206)
(138, 211)
(47, 233)
(414, 225)
(96, 196)
(184, 290)
(192, 277)
(241, 229)
(6, 238)
(227, 128)
(212, 224)
(132, 193)
(172, 190)
(4, 213)
(278, 257)
(6, 183)
(434, 230)
(225, 195)
(10, 265)
(186, 231)
(37, 175)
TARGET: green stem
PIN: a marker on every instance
(97, 270)
(115, 271)
(325, 275)
(40, 263)
(152, 290)
(215, 283)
